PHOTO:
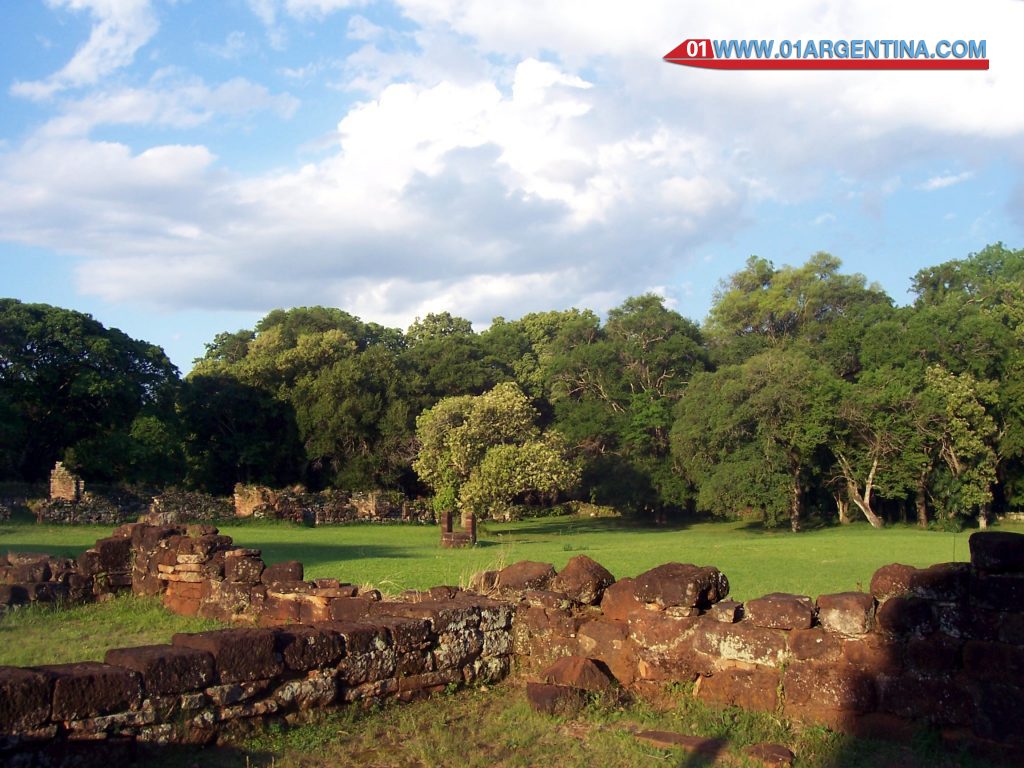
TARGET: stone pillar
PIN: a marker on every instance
(65, 485)
(446, 521)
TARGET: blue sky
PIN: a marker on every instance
(178, 168)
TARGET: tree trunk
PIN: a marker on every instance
(863, 502)
(844, 509)
(794, 506)
(983, 517)
(921, 504)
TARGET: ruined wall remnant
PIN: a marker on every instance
(941, 646)
(65, 485)
(328, 507)
(452, 539)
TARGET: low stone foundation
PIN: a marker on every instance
(942, 646)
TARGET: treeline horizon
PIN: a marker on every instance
(805, 392)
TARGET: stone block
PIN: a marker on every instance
(244, 570)
(443, 615)
(936, 654)
(998, 591)
(290, 570)
(308, 647)
(660, 634)
(726, 611)
(359, 638)
(891, 581)
(578, 672)
(583, 579)
(936, 699)
(239, 655)
(945, 582)
(681, 584)
(829, 686)
(608, 641)
(743, 641)
(702, 748)
(13, 594)
(25, 697)
(524, 575)
(779, 610)
(997, 551)
(752, 689)
(88, 688)
(619, 600)
(36, 571)
(873, 653)
(349, 609)
(406, 633)
(815, 643)
(998, 662)
(847, 613)
(906, 616)
(165, 669)
(115, 554)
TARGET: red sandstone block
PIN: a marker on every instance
(906, 616)
(891, 581)
(349, 609)
(88, 689)
(554, 699)
(665, 635)
(752, 689)
(583, 579)
(683, 585)
(936, 699)
(280, 609)
(816, 643)
(443, 615)
(873, 653)
(25, 696)
(695, 745)
(182, 606)
(998, 591)
(406, 633)
(239, 655)
(525, 575)
(359, 638)
(829, 686)
(847, 613)
(578, 672)
(619, 600)
(115, 554)
(165, 669)
(289, 570)
(306, 647)
(203, 546)
(945, 582)
(743, 641)
(997, 551)
(779, 610)
(244, 570)
(608, 641)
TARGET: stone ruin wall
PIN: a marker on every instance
(328, 507)
(942, 645)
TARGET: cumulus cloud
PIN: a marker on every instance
(120, 28)
(504, 158)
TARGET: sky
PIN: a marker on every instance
(178, 168)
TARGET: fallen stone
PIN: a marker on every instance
(726, 611)
(695, 745)
(555, 699)
(524, 575)
(578, 672)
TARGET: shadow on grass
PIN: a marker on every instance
(560, 526)
(114, 752)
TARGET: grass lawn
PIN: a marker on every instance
(397, 557)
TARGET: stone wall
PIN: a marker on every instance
(65, 485)
(329, 507)
(942, 646)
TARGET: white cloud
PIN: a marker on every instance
(318, 9)
(120, 28)
(944, 180)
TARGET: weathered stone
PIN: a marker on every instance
(905, 616)
(743, 641)
(554, 699)
(679, 584)
(483, 581)
(998, 591)
(359, 638)
(750, 688)
(31, 571)
(406, 633)
(458, 647)
(995, 710)
(583, 579)
(360, 668)
(578, 672)
(244, 570)
(13, 594)
(847, 613)
(497, 643)
(318, 689)
(308, 647)
(349, 608)
(620, 601)
(936, 699)
(663, 635)
(289, 570)
(945, 582)
(998, 662)
(239, 654)
(936, 654)
(770, 755)
(873, 653)
(997, 551)
(165, 669)
(779, 610)
(816, 643)
(443, 615)
(829, 686)
(524, 575)
(726, 611)
(24, 699)
(608, 641)
(88, 689)
(891, 581)
(543, 598)
(694, 745)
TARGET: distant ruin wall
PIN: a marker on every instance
(65, 485)
(942, 646)
(329, 507)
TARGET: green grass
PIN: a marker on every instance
(481, 728)
(38, 634)
(397, 557)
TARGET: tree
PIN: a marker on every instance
(756, 431)
(480, 453)
(69, 384)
